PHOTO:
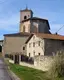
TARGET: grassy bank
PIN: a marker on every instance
(25, 73)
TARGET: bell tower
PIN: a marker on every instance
(25, 14)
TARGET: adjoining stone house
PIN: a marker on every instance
(44, 44)
(42, 48)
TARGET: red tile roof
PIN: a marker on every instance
(50, 36)
(46, 36)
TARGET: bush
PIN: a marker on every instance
(57, 68)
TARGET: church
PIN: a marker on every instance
(14, 43)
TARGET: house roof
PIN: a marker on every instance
(17, 34)
(46, 36)
(36, 18)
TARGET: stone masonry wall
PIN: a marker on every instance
(43, 62)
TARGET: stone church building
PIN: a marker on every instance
(14, 43)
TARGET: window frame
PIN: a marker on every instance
(23, 48)
(39, 54)
(29, 45)
(33, 44)
(39, 43)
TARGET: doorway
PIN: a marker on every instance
(0, 48)
(16, 59)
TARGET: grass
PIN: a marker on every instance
(26, 73)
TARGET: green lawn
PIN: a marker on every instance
(25, 73)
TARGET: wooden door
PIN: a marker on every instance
(16, 59)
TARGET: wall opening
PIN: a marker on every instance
(0, 48)
(25, 17)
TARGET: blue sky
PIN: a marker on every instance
(53, 10)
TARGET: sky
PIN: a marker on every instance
(53, 10)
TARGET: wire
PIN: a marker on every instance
(59, 29)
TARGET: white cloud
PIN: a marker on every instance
(10, 23)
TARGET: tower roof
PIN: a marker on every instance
(26, 9)
(36, 18)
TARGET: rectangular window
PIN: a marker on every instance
(34, 53)
(29, 45)
(39, 54)
(23, 48)
(33, 44)
(38, 43)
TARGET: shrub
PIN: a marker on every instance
(57, 68)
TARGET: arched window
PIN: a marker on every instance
(23, 28)
(25, 17)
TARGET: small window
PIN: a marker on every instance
(33, 44)
(34, 53)
(33, 37)
(39, 54)
(38, 43)
(29, 54)
(29, 45)
(23, 48)
(25, 17)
